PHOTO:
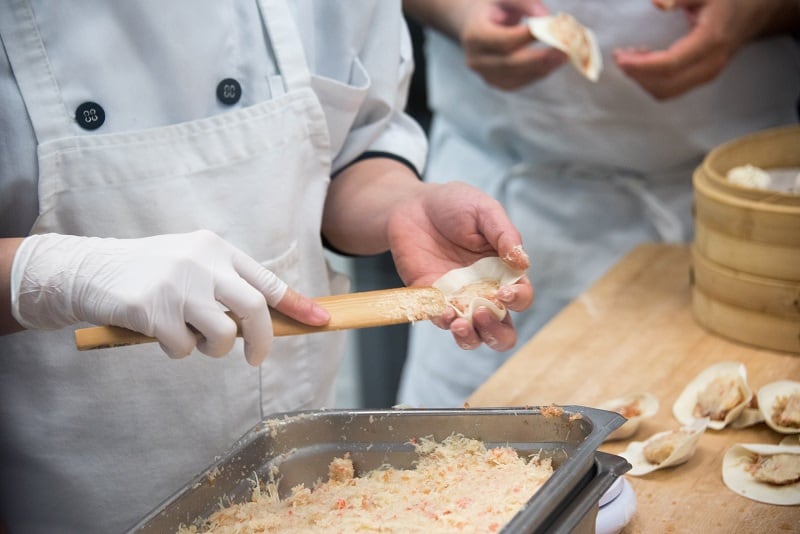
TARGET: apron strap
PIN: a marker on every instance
(286, 43)
(26, 55)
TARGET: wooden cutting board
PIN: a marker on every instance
(634, 331)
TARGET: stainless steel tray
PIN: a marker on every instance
(300, 445)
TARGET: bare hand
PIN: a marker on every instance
(718, 29)
(497, 46)
(454, 225)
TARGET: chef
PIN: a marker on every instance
(588, 170)
(161, 163)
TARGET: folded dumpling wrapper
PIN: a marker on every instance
(685, 443)
(684, 406)
(635, 407)
(470, 287)
(775, 395)
(563, 31)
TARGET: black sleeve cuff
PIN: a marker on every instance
(370, 154)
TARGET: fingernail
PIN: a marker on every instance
(320, 314)
(505, 294)
(461, 331)
(483, 316)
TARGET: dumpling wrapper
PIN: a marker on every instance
(681, 454)
(791, 440)
(748, 417)
(467, 288)
(646, 404)
(768, 396)
(683, 408)
(564, 32)
(739, 480)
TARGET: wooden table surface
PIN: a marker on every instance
(633, 331)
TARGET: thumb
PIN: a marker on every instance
(302, 309)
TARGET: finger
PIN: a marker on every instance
(517, 297)
(498, 335)
(250, 306)
(500, 40)
(176, 340)
(466, 337)
(689, 62)
(665, 5)
(154, 318)
(261, 278)
(516, 9)
(445, 319)
(217, 330)
(519, 69)
(302, 308)
(493, 223)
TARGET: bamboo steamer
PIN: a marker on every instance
(746, 251)
(750, 327)
(759, 294)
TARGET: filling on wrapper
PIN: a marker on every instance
(719, 396)
(664, 449)
(467, 288)
(779, 403)
(635, 408)
(564, 32)
(786, 411)
(720, 393)
(764, 473)
(457, 485)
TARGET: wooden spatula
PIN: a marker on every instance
(354, 310)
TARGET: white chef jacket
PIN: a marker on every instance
(586, 170)
(148, 83)
(90, 442)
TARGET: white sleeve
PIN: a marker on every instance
(371, 37)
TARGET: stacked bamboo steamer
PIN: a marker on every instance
(746, 251)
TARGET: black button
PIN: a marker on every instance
(90, 115)
(229, 91)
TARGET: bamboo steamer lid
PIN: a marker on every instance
(779, 298)
(747, 326)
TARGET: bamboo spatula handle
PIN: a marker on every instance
(353, 310)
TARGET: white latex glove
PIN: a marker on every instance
(154, 285)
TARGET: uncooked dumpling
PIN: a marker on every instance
(720, 392)
(750, 176)
(564, 32)
(470, 287)
(665, 449)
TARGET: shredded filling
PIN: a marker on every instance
(457, 485)
(719, 397)
(776, 469)
(786, 410)
(659, 449)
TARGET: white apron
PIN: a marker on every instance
(90, 442)
(586, 171)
